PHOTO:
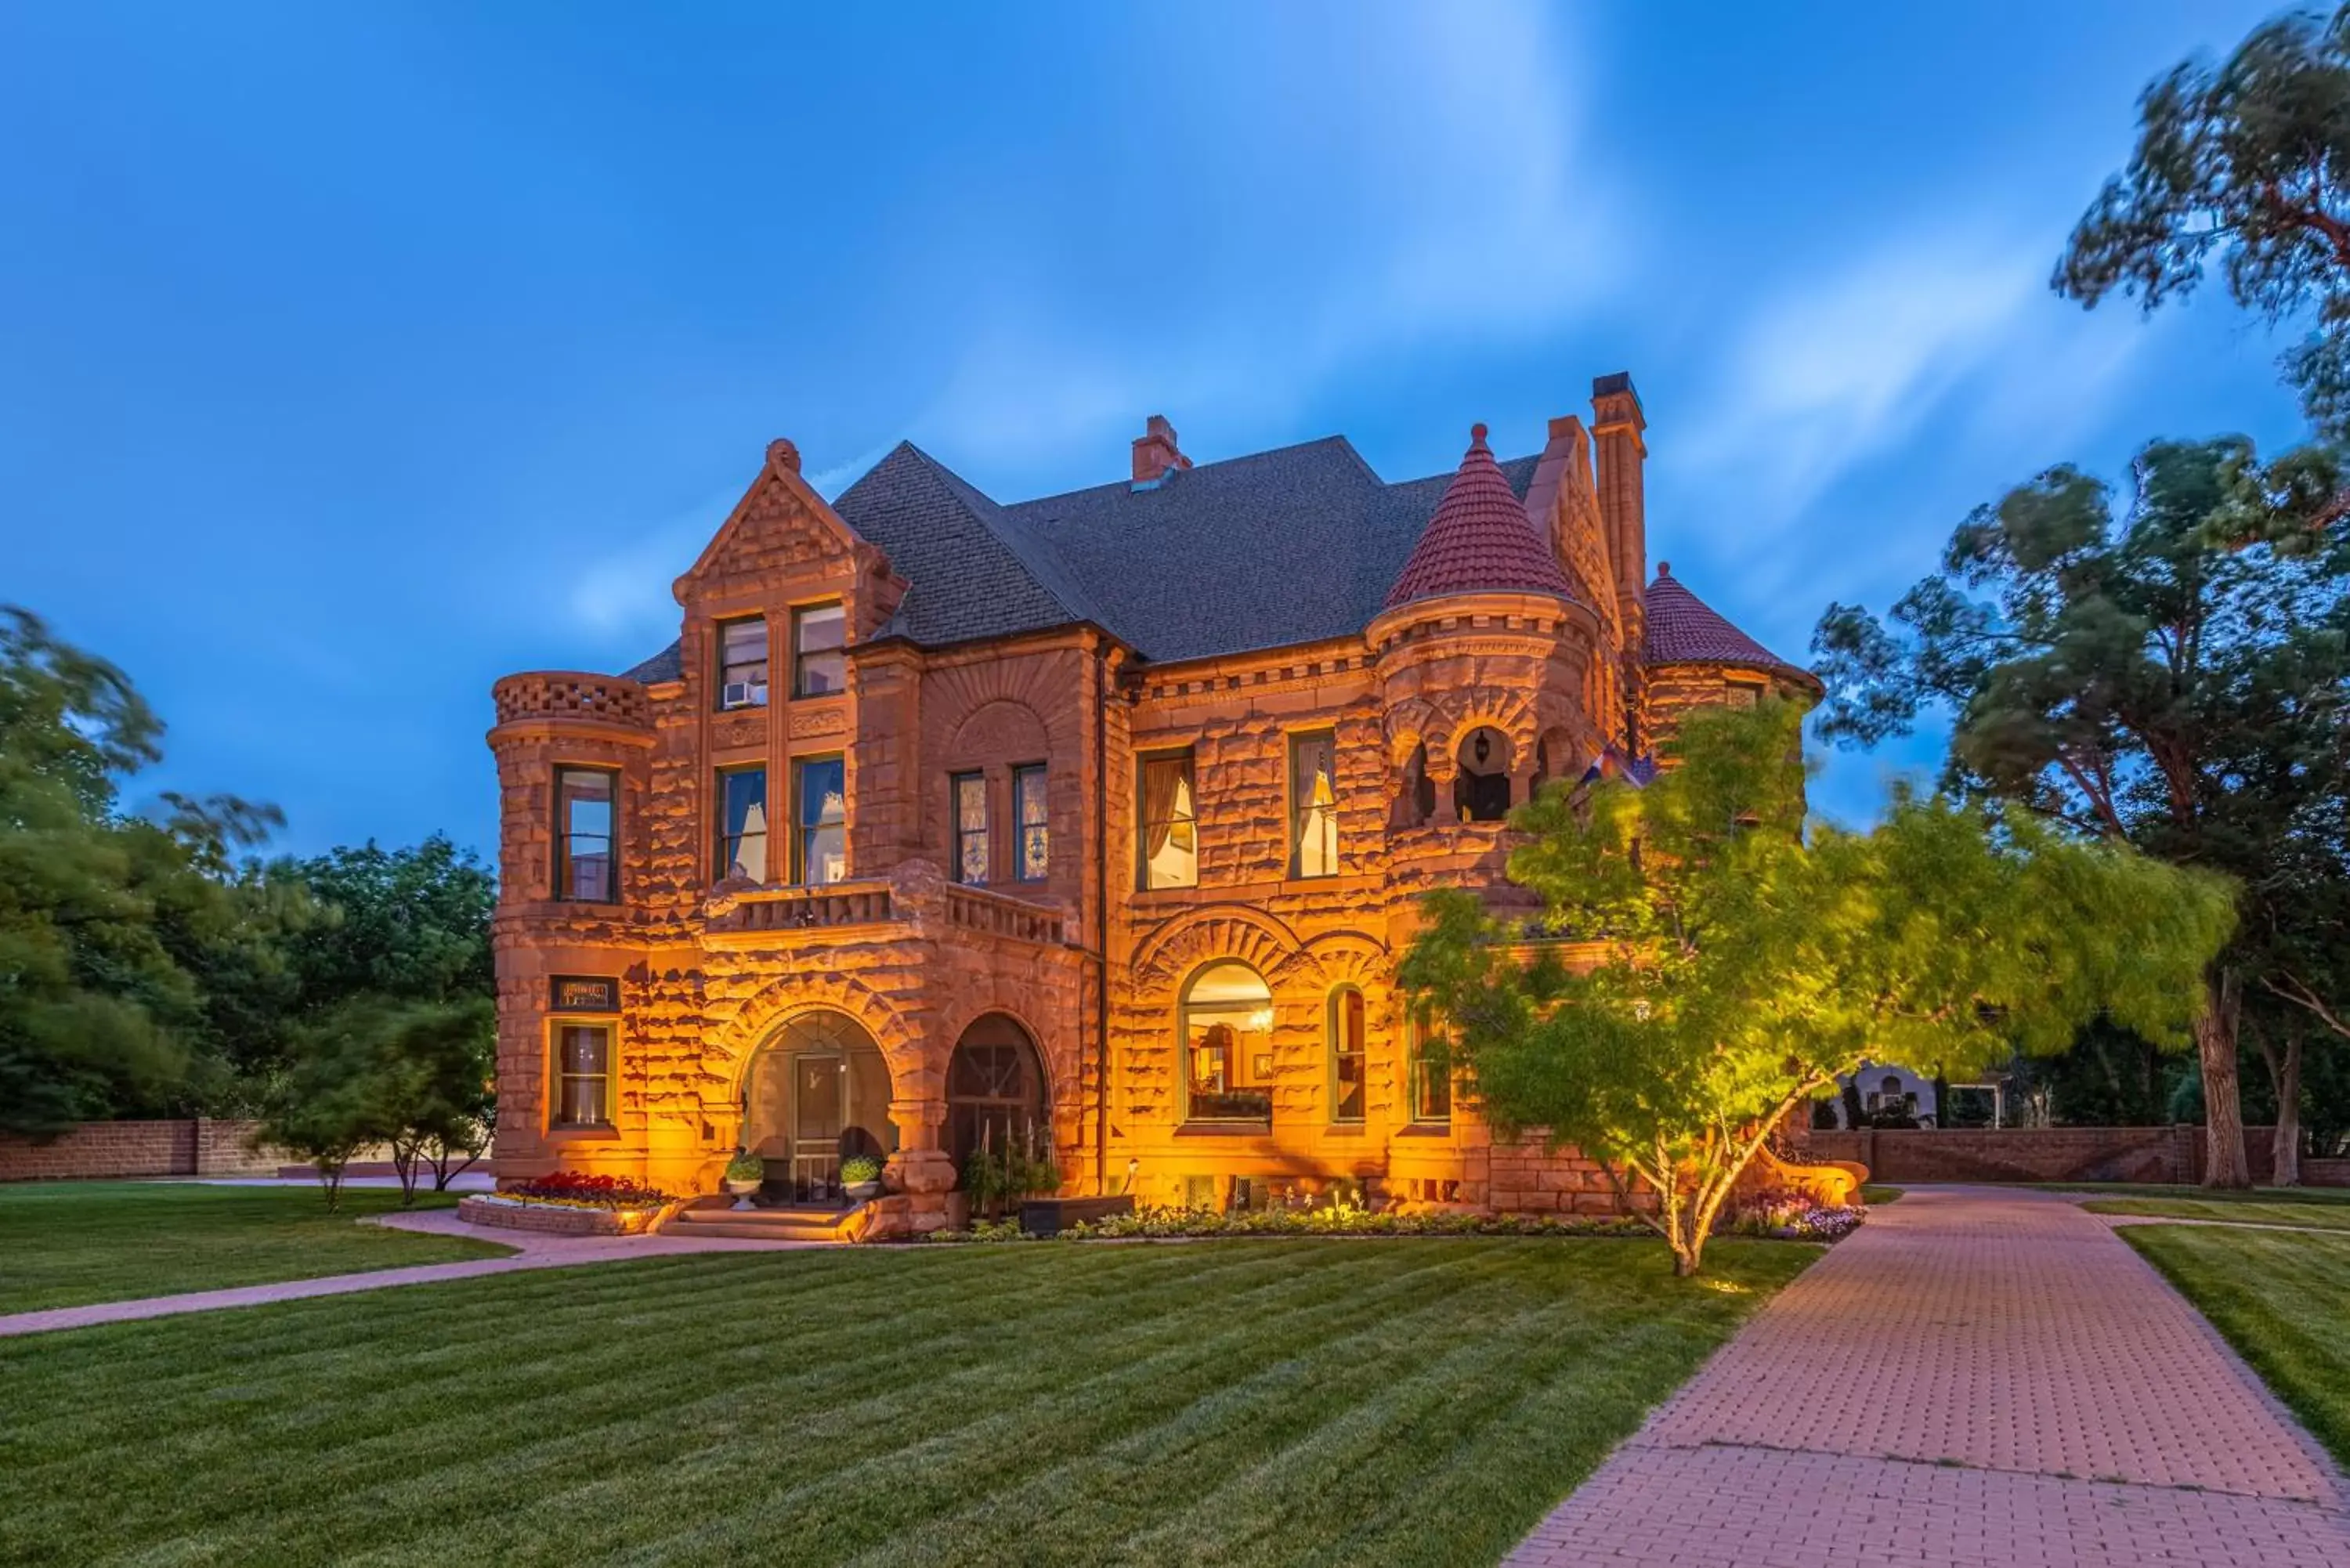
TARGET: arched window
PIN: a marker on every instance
(1416, 801)
(995, 1092)
(1226, 1023)
(1480, 790)
(1347, 1056)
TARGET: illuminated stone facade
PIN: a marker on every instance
(1297, 694)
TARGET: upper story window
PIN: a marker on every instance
(1349, 1056)
(1227, 1024)
(1170, 832)
(969, 791)
(819, 668)
(820, 795)
(743, 662)
(586, 815)
(583, 1075)
(742, 823)
(1313, 805)
(1030, 815)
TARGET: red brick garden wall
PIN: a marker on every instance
(2154, 1155)
(199, 1145)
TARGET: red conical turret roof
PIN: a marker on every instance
(1479, 541)
(1682, 628)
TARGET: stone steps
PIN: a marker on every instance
(792, 1224)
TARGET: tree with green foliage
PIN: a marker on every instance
(107, 918)
(2245, 164)
(2175, 675)
(413, 1076)
(1723, 965)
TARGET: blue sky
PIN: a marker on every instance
(351, 357)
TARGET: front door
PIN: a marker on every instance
(820, 1097)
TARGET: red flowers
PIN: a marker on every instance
(578, 1186)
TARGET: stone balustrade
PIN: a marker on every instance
(1000, 914)
(761, 909)
(565, 694)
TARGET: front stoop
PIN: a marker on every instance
(782, 1224)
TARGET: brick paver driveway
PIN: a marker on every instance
(1979, 1377)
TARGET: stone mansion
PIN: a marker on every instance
(1099, 819)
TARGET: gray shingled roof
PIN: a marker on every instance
(1293, 546)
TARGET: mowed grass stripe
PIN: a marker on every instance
(2282, 1299)
(72, 1243)
(1240, 1401)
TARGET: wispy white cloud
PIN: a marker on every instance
(1835, 372)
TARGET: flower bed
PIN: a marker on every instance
(1336, 1219)
(569, 1203)
(1795, 1221)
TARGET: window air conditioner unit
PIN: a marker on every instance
(743, 694)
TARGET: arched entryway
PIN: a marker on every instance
(1481, 787)
(817, 1094)
(995, 1091)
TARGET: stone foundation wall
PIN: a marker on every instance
(557, 1220)
(199, 1145)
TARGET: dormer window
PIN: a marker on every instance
(743, 662)
(819, 668)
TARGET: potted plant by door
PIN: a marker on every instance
(744, 1173)
(860, 1178)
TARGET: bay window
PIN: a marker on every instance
(583, 1075)
(587, 813)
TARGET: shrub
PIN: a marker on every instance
(858, 1169)
(747, 1167)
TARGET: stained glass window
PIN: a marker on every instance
(969, 793)
(1036, 833)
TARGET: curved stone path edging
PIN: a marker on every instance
(532, 1251)
(1979, 1377)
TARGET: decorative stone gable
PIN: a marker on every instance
(780, 533)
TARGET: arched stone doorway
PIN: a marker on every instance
(995, 1090)
(817, 1094)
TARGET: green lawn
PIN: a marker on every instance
(2282, 1299)
(1238, 1402)
(2210, 1194)
(70, 1243)
(1873, 1195)
(2267, 1207)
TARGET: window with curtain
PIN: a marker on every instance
(743, 662)
(819, 667)
(742, 823)
(1349, 1056)
(1227, 1027)
(586, 814)
(970, 794)
(1432, 1074)
(1171, 843)
(1029, 812)
(820, 793)
(583, 1074)
(1313, 805)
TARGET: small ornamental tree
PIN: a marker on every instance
(1722, 965)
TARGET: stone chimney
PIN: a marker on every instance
(1155, 452)
(1616, 427)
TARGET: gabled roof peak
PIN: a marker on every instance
(1479, 539)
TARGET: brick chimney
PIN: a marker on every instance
(1616, 427)
(1155, 452)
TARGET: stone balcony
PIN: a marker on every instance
(915, 896)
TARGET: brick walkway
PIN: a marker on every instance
(1977, 1378)
(532, 1251)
